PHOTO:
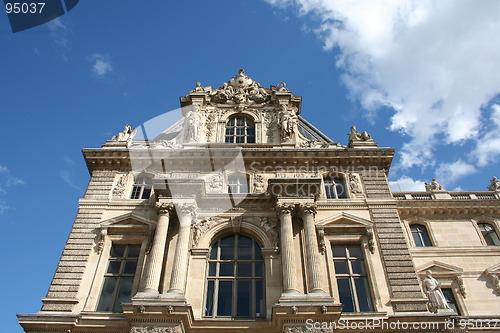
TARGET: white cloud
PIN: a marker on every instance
(59, 32)
(449, 173)
(67, 176)
(6, 181)
(101, 64)
(407, 184)
(434, 62)
(488, 146)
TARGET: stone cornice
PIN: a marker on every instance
(449, 207)
(258, 157)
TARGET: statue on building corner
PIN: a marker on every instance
(494, 184)
(127, 134)
(432, 289)
(356, 137)
(433, 186)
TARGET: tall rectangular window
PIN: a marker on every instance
(119, 277)
(352, 279)
(450, 298)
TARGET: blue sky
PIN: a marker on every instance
(422, 78)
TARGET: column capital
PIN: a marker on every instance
(187, 208)
(164, 208)
(308, 208)
(284, 208)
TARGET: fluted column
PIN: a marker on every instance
(186, 212)
(287, 252)
(311, 246)
(155, 259)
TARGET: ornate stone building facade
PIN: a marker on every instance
(242, 216)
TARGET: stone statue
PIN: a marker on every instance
(192, 126)
(288, 122)
(354, 135)
(433, 186)
(127, 134)
(259, 185)
(432, 289)
(494, 184)
(354, 184)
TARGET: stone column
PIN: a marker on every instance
(155, 259)
(311, 247)
(186, 212)
(287, 252)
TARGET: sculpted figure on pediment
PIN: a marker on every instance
(432, 289)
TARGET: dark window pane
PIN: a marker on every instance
(355, 252)
(244, 298)
(244, 248)
(117, 251)
(226, 269)
(245, 270)
(210, 299)
(258, 254)
(211, 269)
(251, 139)
(259, 298)
(425, 239)
(123, 293)
(417, 239)
(258, 269)
(114, 267)
(107, 293)
(136, 192)
(213, 252)
(134, 251)
(146, 193)
(450, 298)
(364, 298)
(345, 294)
(227, 248)
(130, 267)
(224, 299)
(341, 267)
(339, 251)
(357, 267)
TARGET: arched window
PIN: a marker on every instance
(240, 129)
(489, 234)
(235, 281)
(335, 188)
(420, 235)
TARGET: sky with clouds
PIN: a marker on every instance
(419, 76)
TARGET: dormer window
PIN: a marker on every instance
(142, 188)
(240, 129)
(335, 188)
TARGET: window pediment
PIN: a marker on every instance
(445, 273)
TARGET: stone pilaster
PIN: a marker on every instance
(155, 258)
(186, 212)
(287, 252)
(308, 211)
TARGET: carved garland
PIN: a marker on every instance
(153, 329)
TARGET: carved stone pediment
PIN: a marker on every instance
(129, 223)
(444, 273)
(345, 223)
(493, 273)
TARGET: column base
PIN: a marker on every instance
(174, 297)
(147, 293)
